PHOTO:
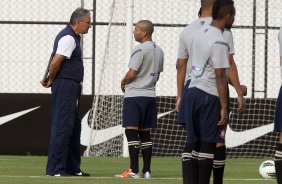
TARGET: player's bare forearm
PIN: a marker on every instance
(181, 65)
(128, 78)
(241, 90)
(233, 77)
(220, 75)
(181, 73)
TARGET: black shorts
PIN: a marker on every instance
(140, 112)
(181, 109)
(202, 116)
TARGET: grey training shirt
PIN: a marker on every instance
(148, 60)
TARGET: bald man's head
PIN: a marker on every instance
(146, 26)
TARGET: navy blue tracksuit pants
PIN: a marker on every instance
(64, 147)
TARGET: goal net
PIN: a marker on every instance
(256, 55)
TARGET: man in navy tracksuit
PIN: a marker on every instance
(65, 77)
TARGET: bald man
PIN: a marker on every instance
(139, 105)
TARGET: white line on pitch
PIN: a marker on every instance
(101, 177)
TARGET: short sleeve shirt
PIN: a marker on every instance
(228, 38)
(185, 40)
(148, 60)
(187, 34)
(66, 46)
(209, 51)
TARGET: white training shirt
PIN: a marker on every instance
(209, 51)
(185, 40)
(66, 46)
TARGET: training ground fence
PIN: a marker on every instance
(28, 29)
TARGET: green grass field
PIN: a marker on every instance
(31, 170)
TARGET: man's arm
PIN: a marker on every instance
(233, 78)
(220, 75)
(54, 68)
(181, 73)
(129, 77)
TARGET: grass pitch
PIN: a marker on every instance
(31, 170)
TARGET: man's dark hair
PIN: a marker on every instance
(206, 4)
(79, 13)
(221, 8)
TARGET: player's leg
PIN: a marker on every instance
(149, 116)
(190, 163)
(188, 166)
(194, 108)
(208, 115)
(278, 128)
(186, 162)
(219, 163)
(205, 161)
(131, 119)
(146, 151)
(278, 160)
(220, 153)
(133, 147)
(219, 158)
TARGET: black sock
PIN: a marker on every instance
(278, 163)
(195, 167)
(218, 164)
(205, 161)
(146, 150)
(133, 147)
(186, 163)
(190, 164)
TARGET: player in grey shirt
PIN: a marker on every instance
(139, 104)
(184, 72)
(206, 99)
(213, 54)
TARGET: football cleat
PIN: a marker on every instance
(82, 174)
(127, 174)
(147, 175)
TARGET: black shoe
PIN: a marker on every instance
(59, 175)
(82, 174)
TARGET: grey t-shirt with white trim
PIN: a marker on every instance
(148, 60)
(209, 51)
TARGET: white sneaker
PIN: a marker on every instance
(147, 175)
(133, 175)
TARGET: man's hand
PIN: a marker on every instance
(177, 103)
(49, 83)
(44, 83)
(244, 89)
(223, 117)
(122, 86)
(241, 104)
